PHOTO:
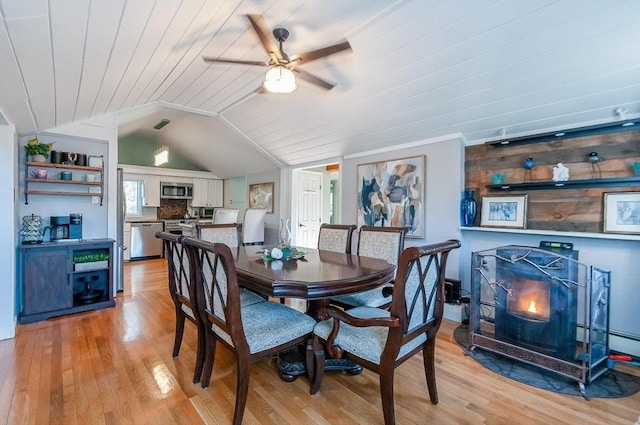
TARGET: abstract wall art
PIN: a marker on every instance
(391, 194)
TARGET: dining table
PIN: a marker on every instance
(313, 275)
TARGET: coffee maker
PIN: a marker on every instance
(66, 227)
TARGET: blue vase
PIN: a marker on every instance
(468, 208)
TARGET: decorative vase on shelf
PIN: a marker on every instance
(284, 235)
(38, 158)
(468, 208)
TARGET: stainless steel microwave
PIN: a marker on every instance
(176, 190)
(206, 212)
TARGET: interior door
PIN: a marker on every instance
(309, 208)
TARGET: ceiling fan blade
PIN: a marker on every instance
(242, 62)
(321, 53)
(260, 27)
(304, 75)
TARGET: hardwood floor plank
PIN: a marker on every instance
(115, 366)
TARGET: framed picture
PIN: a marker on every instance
(622, 212)
(391, 194)
(261, 196)
(504, 211)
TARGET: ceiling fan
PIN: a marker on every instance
(280, 78)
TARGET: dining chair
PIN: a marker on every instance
(224, 233)
(181, 290)
(225, 215)
(252, 332)
(381, 340)
(385, 243)
(336, 237)
(253, 226)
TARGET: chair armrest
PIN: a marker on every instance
(342, 316)
(339, 315)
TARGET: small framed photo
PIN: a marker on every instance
(261, 196)
(504, 211)
(622, 212)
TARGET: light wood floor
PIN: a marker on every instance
(114, 366)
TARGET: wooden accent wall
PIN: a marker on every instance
(575, 210)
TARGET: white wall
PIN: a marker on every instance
(443, 183)
(9, 222)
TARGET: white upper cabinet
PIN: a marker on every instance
(207, 193)
(151, 196)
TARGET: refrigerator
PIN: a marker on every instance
(120, 247)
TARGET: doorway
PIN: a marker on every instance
(315, 200)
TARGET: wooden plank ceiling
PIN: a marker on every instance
(418, 70)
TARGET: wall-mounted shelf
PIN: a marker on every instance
(30, 181)
(611, 127)
(569, 184)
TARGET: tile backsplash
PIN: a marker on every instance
(172, 208)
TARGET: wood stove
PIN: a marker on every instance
(538, 310)
(542, 307)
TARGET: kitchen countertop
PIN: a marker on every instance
(143, 221)
(67, 243)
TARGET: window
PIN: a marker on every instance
(133, 197)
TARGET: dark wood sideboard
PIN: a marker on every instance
(53, 284)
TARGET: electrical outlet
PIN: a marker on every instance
(95, 189)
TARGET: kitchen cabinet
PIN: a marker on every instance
(67, 278)
(44, 178)
(151, 196)
(47, 273)
(207, 193)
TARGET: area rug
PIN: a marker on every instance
(612, 384)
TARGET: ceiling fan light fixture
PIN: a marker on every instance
(280, 80)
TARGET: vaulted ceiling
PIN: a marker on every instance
(419, 69)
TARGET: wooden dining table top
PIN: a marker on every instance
(318, 275)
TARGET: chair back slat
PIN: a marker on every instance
(216, 289)
(178, 264)
(335, 237)
(418, 293)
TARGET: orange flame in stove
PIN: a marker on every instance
(532, 307)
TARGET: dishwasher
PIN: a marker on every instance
(144, 243)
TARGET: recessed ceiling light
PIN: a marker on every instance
(627, 124)
(560, 134)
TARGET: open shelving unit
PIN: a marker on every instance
(34, 186)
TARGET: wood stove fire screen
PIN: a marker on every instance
(542, 307)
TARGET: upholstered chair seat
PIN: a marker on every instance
(269, 324)
(369, 341)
